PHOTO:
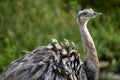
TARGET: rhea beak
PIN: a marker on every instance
(94, 14)
(97, 13)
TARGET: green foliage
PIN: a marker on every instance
(27, 24)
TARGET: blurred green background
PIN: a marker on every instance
(27, 24)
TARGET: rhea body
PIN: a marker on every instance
(58, 61)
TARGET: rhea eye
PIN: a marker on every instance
(84, 13)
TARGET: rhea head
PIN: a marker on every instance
(85, 15)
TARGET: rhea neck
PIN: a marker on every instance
(88, 44)
(86, 37)
(89, 48)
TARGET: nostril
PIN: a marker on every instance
(94, 13)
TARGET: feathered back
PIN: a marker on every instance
(56, 61)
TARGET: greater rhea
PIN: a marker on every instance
(59, 60)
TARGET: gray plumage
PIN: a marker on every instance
(58, 61)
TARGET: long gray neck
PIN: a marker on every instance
(89, 47)
(88, 44)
